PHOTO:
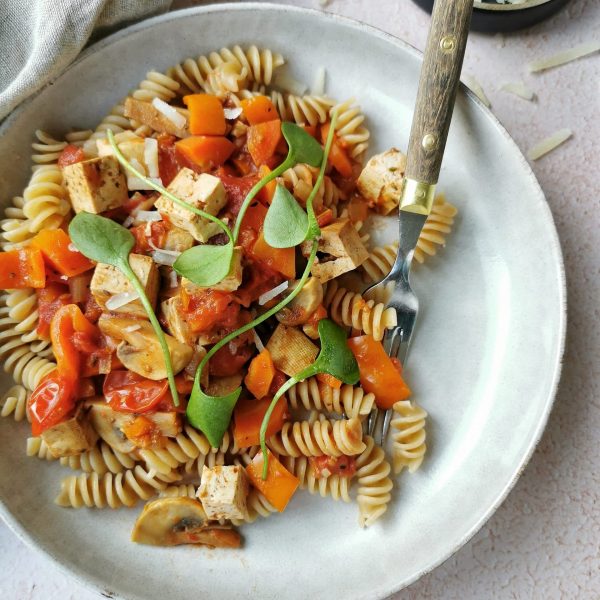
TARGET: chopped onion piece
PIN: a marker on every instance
(151, 156)
(288, 84)
(135, 183)
(131, 328)
(169, 112)
(72, 247)
(119, 300)
(318, 87)
(143, 216)
(548, 144)
(264, 298)
(128, 222)
(232, 113)
(518, 89)
(257, 341)
(476, 88)
(563, 57)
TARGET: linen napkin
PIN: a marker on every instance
(40, 38)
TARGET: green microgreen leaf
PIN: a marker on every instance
(303, 147)
(103, 240)
(159, 188)
(335, 358)
(211, 414)
(286, 222)
(205, 265)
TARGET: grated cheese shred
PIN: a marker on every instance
(564, 57)
(548, 144)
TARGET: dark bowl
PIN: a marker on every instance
(491, 16)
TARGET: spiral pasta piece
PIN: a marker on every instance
(185, 447)
(46, 149)
(23, 308)
(115, 120)
(113, 490)
(374, 485)
(182, 490)
(100, 459)
(348, 400)
(14, 402)
(301, 178)
(350, 128)
(46, 199)
(351, 309)
(37, 447)
(195, 467)
(333, 486)
(331, 437)
(408, 436)
(257, 506)
(14, 226)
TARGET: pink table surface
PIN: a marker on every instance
(544, 541)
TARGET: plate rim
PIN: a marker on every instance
(92, 582)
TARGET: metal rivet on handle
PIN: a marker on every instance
(448, 43)
(429, 142)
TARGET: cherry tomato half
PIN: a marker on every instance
(126, 391)
(52, 400)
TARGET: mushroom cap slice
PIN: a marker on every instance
(175, 521)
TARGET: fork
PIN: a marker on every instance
(436, 94)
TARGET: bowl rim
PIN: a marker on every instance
(496, 7)
(91, 582)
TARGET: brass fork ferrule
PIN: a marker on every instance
(417, 197)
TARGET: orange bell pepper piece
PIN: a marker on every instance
(206, 114)
(279, 486)
(330, 380)
(311, 328)
(268, 191)
(248, 417)
(337, 156)
(377, 372)
(263, 139)
(282, 260)
(67, 325)
(310, 129)
(59, 253)
(23, 268)
(259, 109)
(260, 374)
(208, 152)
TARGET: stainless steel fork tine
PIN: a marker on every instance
(372, 421)
(387, 419)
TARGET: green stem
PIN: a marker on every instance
(291, 382)
(139, 288)
(159, 188)
(264, 316)
(284, 166)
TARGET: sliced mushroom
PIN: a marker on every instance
(108, 424)
(140, 350)
(299, 310)
(175, 521)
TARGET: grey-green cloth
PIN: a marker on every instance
(40, 38)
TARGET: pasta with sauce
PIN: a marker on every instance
(189, 146)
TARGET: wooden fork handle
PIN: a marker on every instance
(438, 83)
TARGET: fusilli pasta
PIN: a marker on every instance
(351, 309)
(182, 490)
(37, 447)
(333, 438)
(14, 402)
(408, 436)
(350, 128)
(15, 228)
(113, 490)
(100, 459)
(374, 485)
(351, 401)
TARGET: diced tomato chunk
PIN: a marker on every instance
(70, 155)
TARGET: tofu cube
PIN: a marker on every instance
(177, 325)
(203, 191)
(381, 180)
(291, 350)
(71, 437)
(130, 144)
(342, 242)
(108, 281)
(229, 284)
(95, 185)
(178, 239)
(148, 114)
(223, 492)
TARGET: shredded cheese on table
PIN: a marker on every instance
(548, 144)
(476, 88)
(519, 89)
(564, 57)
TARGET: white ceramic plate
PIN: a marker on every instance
(485, 360)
